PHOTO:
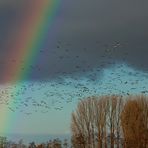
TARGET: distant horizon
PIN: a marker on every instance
(35, 134)
(37, 138)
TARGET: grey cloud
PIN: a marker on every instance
(87, 35)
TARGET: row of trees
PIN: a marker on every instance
(111, 121)
(55, 143)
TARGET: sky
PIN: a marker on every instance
(92, 48)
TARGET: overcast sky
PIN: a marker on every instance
(94, 25)
(87, 39)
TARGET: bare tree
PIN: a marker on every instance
(82, 123)
(118, 129)
(112, 101)
(99, 121)
(143, 103)
(134, 121)
(100, 111)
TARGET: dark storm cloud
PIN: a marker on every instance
(11, 14)
(94, 33)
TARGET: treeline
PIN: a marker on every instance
(55, 143)
(111, 122)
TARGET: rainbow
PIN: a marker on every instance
(27, 45)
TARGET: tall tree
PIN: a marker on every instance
(82, 124)
(100, 111)
(134, 121)
(118, 128)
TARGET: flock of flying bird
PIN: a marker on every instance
(81, 81)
